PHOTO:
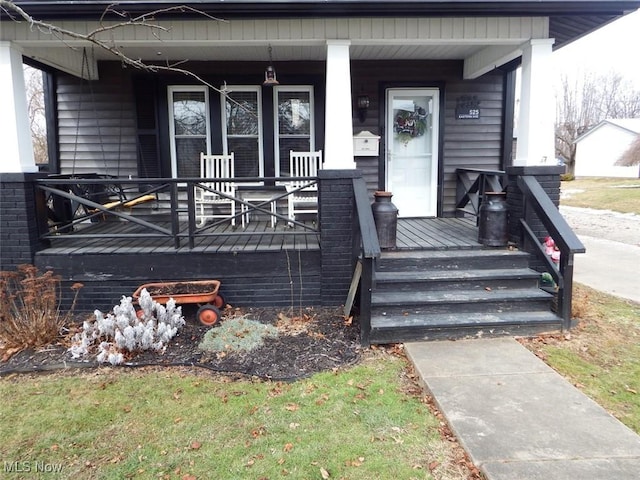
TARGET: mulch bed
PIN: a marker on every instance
(314, 340)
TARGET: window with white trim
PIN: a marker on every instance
(294, 125)
(242, 129)
(189, 128)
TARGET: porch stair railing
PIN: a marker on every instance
(538, 206)
(366, 252)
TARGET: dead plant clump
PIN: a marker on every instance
(30, 313)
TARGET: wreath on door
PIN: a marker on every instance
(409, 125)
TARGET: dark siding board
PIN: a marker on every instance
(369, 168)
(97, 123)
(471, 143)
(465, 143)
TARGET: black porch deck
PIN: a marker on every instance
(437, 234)
(258, 236)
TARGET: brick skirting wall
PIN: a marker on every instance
(18, 225)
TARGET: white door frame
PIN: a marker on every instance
(414, 200)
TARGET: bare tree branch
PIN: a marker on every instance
(145, 20)
(585, 102)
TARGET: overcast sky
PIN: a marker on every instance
(615, 47)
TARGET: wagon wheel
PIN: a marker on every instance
(208, 315)
(219, 301)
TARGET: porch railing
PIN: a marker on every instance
(537, 204)
(366, 250)
(471, 186)
(73, 204)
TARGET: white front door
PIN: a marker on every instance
(412, 150)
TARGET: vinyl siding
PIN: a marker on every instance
(464, 143)
(97, 124)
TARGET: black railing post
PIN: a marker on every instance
(191, 215)
(366, 289)
(565, 292)
(175, 220)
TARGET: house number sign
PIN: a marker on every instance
(467, 108)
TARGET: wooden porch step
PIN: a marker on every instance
(419, 260)
(402, 328)
(488, 279)
(461, 301)
(458, 293)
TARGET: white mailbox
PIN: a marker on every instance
(365, 144)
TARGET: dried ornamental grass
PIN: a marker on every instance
(30, 313)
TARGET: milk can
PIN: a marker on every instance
(492, 223)
(385, 216)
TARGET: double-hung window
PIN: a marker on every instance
(242, 129)
(293, 123)
(189, 128)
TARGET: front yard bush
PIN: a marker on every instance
(30, 313)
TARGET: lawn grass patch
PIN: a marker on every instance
(602, 354)
(617, 194)
(367, 421)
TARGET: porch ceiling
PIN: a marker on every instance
(254, 52)
(400, 38)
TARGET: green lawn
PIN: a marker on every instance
(366, 422)
(602, 354)
(617, 194)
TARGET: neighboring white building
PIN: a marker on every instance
(598, 150)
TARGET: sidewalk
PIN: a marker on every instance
(608, 266)
(517, 418)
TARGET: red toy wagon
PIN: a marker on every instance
(203, 292)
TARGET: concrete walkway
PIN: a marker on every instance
(518, 419)
(608, 266)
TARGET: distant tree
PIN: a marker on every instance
(582, 103)
(37, 118)
(101, 37)
(632, 156)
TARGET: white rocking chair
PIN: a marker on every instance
(207, 202)
(303, 194)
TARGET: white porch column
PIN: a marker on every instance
(15, 132)
(338, 142)
(536, 138)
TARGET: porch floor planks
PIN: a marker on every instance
(436, 233)
(257, 236)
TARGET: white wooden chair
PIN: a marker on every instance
(214, 204)
(303, 194)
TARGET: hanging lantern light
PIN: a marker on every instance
(270, 73)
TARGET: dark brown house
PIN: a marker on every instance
(411, 97)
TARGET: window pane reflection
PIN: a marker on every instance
(294, 113)
(189, 113)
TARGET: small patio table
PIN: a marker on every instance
(260, 194)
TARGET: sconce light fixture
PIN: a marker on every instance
(270, 73)
(362, 102)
